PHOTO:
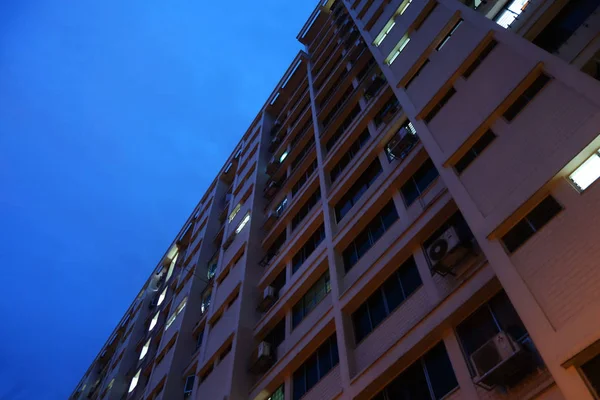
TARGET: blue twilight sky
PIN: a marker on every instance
(114, 118)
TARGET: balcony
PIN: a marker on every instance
(402, 142)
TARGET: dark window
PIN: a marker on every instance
(419, 182)
(565, 23)
(524, 99)
(401, 284)
(199, 340)
(278, 394)
(305, 209)
(591, 370)
(429, 378)
(367, 238)
(349, 155)
(487, 321)
(189, 386)
(342, 128)
(309, 301)
(334, 111)
(449, 35)
(412, 78)
(278, 282)
(300, 157)
(364, 181)
(484, 53)
(481, 144)
(387, 112)
(334, 87)
(436, 109)
(311, 244)
(304, 177)
(533, 222)
(315, 368)
(276, 336)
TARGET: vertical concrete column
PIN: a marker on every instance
(433, 293)
(343, 335)
(459, 364)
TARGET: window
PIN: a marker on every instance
(391, 23)
(342, 127)
(315, 368)
(300, 157)
(311, 244)
(449, 35)
(484, 53)
(398, 49)
(419, 182)
(400, 145)
(273, 250)
(234, 212)
(145, 349)
(309, 301)
(349, 155)
(199, 340)
(481, 144)
(281, 207)
(587, 173)
(591, 370)
(161, 297)
(305, 209)
(304, 177)
(372, 232)
(497, 315)
(177, 311)
(283, 156)
(510, 12)
(429, 378)
(436, 109)
(276, 336)
(362, 184)
(386, 299)
(278, 394)
(532, 223)
(172, 266)
(153, 321)
(242, 223)
(189, 386)
(526, 97)
(134, 381)
(387, 112)
(419, 71)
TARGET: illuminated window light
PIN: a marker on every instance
(587, 173)
(178, 311)
(234, 212)
(134, 381)
(396, 52)
(510, 13)
(386, 30)
(283, 156)
(145, 349)
(172, 266)
(153, 322)
(242, 224)
(161, 298)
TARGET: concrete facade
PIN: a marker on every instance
(312, 266)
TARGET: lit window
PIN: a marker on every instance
(511, 12)
(449, 35)
(145, 349)
(161, 298)
(234, 212)
(281, 206)
(172, 266)
(134, 381)
(399, 47)
(283, 156)
(391, 23)
(242, 224)
(178, 311)
(586, 173)
(153, 322)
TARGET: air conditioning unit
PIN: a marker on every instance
(268, 298)
(262, 358)
(499, 361)
(446, 251)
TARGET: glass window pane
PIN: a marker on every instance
(361, 322)
(299, 385)
(518, 235)
(425, 175)
(377, 308)
(409, 276)
(440, 372)
(544, 212)
(312, 372)
(324, 355)
(409, 192)
(393, 292)
(477, 329)
(410, 385)
(591, 369)
(507, 316)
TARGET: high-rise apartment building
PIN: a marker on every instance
(413, 214)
